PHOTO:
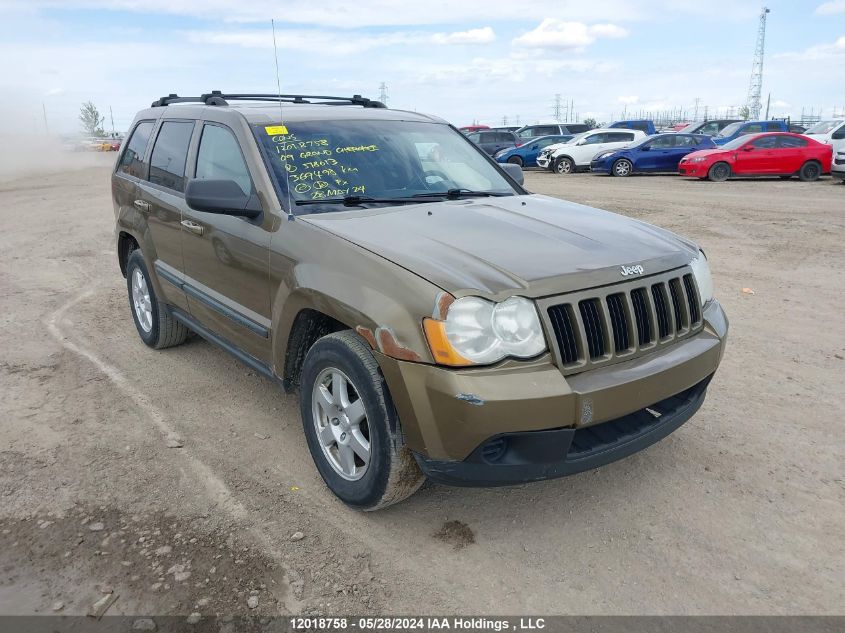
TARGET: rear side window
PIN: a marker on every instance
(504, 137)
(167, 163)
(683, 140)
(662, 142)
(618, 137)
(765, 142)
(752, 128)
(791, 141)
(132, 161)
(220, 158)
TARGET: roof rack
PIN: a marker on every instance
(217, 98)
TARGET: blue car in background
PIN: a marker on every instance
(660, 152)
(741, 128)
(527, 153)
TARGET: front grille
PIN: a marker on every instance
(618, 322)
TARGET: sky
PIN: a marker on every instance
(463, 60)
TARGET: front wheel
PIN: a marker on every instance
(622, 167)
(564, 166)
(810, 171)
(352, 427)
(516, 160)
(719, 172)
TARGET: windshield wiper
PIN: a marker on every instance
(354, 201)
(454, 194)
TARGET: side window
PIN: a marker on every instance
(839, 134)
(527, 133)
(684, 140)
(765, 142)
(475, 137)
(752, 128)
(595, 139)
(132, 161)
(167, 163)
(711, 129)
(663, 142)
(546, 142)
(504, 137)
(618, 137)
(546, 130)
(220, 158)
(791, 142)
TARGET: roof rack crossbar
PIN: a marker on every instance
(217, 98)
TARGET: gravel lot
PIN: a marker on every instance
(739, 512)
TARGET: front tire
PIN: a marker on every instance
(622, 167)
(810, 171)
(564, 166)
(352, 427)
(719, 172)
(156, 325)
(516, 160)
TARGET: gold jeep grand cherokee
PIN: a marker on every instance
(437, 319)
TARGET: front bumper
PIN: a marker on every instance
(694, 170)
(544, 160)
(450, 417)
(600, 166)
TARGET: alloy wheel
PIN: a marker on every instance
(141, 300)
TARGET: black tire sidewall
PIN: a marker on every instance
(369, 489)
(136, 261)
(515, 160)
(712, 173)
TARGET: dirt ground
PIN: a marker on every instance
(177, 481)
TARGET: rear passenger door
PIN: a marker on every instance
(791, 153)
(227, 257)
(162, 201)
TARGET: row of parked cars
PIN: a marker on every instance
(716, 149)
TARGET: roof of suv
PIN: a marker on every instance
(267, 110)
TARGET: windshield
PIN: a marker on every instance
(729, 129)
(398, 160)
(823, 127)
(738, 141)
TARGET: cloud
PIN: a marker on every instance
(483, 35)
(780, 103)
(817, 53)
(560, 34)
(325, 43)
(628, 100)
(831, 8)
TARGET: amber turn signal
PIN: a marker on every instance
(441, 349)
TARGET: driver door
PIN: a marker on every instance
(226, 257)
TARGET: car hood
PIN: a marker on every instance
(706, 152)
(530, 245)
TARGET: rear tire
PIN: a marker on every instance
(622, 168)
(156, 325)
(719, 172)
(340, 371)
(810, 171)
(516, 160)
(564, 166)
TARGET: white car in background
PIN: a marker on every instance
(578, 152)
(831, 132)
(837, 168)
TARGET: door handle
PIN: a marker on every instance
(141, 205)
(193, 227)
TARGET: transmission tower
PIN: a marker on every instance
(382, 95)
(755, 86)
(556, 110)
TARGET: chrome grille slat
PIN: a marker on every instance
(613, 323)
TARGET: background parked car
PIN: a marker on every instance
(711, 127)
(779, 154)
(642, 125)
(527, 153)
(660, 152)
(492, 141)
(466, 129)
(831, 132)
(577, 153)
(505, 128)
(741, 128)
(549, 129)
(837, 170)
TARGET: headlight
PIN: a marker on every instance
(603, 155)
(477, 331)
(703, 278)
(698, 159)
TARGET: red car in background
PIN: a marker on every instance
(770, 154)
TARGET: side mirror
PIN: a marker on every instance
(221, 196)
(645, 148)
(582, 142)
(514, 171)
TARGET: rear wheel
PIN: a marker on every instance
(564, 165)
(155, 324)
(352, 427)
(810, 171)
(719, 172)
(516, 160)
(622, 167)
